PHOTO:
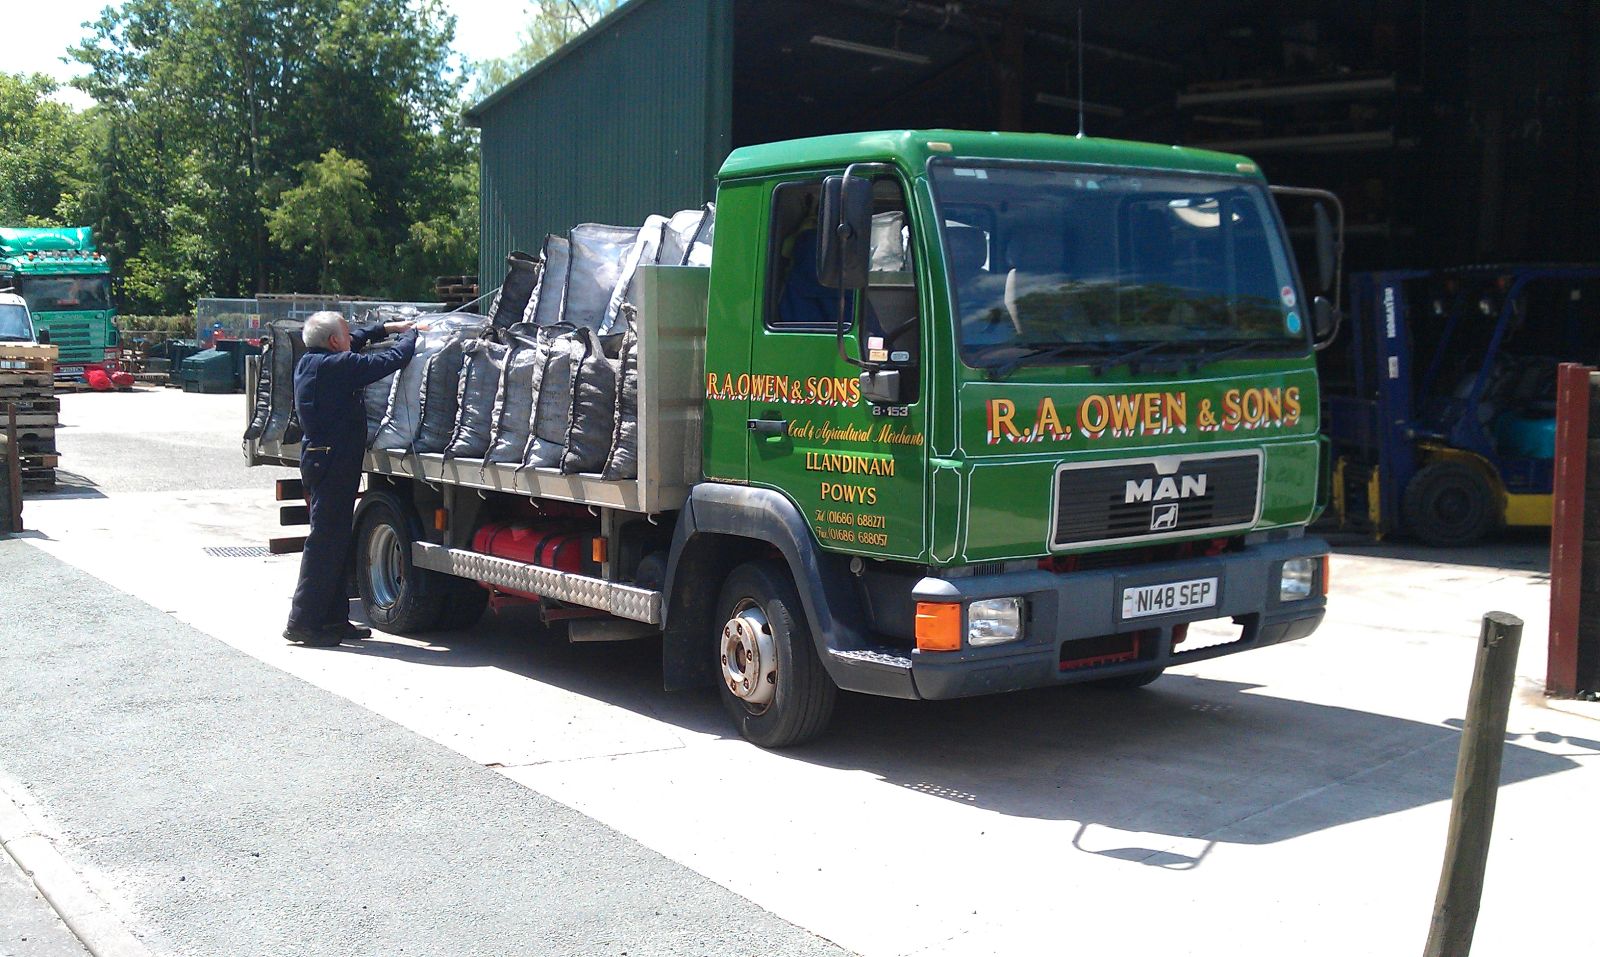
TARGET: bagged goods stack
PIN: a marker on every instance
(27, 373)
(547, 380)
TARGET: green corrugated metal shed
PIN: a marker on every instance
(634, 118)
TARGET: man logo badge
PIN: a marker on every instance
(1164, 517)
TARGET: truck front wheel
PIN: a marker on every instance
(772, 683)
(397, 596)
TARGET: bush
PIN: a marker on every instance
(164, 327)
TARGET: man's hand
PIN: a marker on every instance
(402, 326)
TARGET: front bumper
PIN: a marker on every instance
(1078, 607)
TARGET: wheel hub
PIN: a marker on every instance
(385, 567)
(749, 658)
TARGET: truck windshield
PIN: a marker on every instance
(1052, 262)
(14, 323)
(62, 293)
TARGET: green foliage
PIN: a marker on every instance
(328, 214)
(216, 130)
(43, 151)
(551, 24)
(166, 327)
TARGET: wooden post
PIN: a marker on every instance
(11, 474)
(1567, 527)
(1466, 852)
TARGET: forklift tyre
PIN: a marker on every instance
(1450, 504)
(397, 596)
(771, 681)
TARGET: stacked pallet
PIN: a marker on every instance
(455, 291)
(28, 404)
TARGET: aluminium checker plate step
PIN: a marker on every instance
(624, 601)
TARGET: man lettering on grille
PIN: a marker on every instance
(328, 384)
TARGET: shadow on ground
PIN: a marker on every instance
(1523, 549)
(1195, 760)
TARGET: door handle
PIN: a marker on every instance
(768, 426)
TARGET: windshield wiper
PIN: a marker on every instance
(1045, 353)
(1130, 357)
(1249, 345)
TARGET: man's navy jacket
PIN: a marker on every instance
(328, 387)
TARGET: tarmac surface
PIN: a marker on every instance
(1287, 800)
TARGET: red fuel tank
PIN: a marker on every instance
(558, 548)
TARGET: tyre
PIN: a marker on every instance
(1128, 682)
(772, 683)
(464, 603)
(396, 596)
(1450, 504)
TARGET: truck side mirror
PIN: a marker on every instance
(1327, 245)
(1324, 323)
(844, 232)
(42, 336)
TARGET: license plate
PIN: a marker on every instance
(1145, 600)
(69, 372)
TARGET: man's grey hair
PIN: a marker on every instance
(320, 329)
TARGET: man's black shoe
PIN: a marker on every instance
(352, 631)
(326, 637)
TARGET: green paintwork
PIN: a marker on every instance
(82, 336)
(943, 493)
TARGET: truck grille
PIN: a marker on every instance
(1128, 501)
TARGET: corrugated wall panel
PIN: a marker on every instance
(635, 120)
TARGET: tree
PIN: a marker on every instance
(44, 155)
(328, 214)
(551, 25)
(216, 108)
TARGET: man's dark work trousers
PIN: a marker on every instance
(328, 396)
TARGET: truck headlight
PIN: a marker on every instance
(994, 621)
(1299, 578)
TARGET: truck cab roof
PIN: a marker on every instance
(912, 149)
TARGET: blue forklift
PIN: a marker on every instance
(1440, 401)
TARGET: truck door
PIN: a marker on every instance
(854, 468)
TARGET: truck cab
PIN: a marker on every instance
(1067, 407)
(67, 285)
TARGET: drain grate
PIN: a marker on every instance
(237, 551)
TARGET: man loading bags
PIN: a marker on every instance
(328, 384)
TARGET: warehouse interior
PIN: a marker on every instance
(1455, 131)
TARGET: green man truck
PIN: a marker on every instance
(67, 284)
(948, 414)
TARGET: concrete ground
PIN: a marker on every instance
(1291, 799)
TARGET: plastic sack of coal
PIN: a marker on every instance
(594, 397)
(482, 362)
(623, 460)
(441, 382)
(547, 296)
(686, 241)
(403, 418)
(599, 254)
(519, 386)
(553, 414)
(278, 421)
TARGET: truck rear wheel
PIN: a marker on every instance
(1449, 504)
(396, 595)
(772, 683)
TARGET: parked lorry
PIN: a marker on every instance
(67, 284)
(1441, 403)
(948, 414)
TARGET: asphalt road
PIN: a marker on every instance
(1289, 800)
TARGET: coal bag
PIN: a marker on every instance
(482, 362)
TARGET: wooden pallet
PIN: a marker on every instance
(71, 385)
(40, 460)
(38, 485)
(27, 379)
